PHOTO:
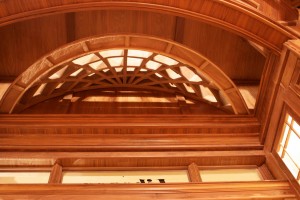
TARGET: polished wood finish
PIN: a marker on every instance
(285, 101)
(127, 124)
(258, 190)
(212, 42)
(56, 174)
(133, 159)
(16, 98)
(230, 42)
(194, 174)
(199, 9)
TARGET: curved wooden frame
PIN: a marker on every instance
(67, 53)
(226, 14)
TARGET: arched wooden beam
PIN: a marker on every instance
(226, 14)
(79, 48)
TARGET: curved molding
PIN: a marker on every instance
(35, 74)
(225, 14)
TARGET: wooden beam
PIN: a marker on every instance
(133, 159)
(275, 190)
(127, 124)
(125, 142)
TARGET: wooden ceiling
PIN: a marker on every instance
(25, 42)
(240, 48)
(244, 40)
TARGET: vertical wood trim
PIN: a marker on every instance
(267, 94)
(56, 174)
(194, 174)
(265, 173)
(287, 175)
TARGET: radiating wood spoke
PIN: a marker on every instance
(127, 67)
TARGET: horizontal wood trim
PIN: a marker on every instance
(240, 190)
(133, 159)
(128, 142)
(127, 124)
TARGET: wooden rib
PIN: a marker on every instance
(110, 68)
(85, 47)
(102, 76)
(230, 90)
(142, 76)
(203, 65)
(143, 64)
(169, 48)
(158, 70)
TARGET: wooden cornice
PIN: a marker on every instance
(128, 133)
(127, 124)
(225, 14)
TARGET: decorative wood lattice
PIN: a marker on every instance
(124, 62)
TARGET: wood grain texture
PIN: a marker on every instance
(132, 159)
(56, 174)
(202, 10)
(126, 124)
(194, 174)
(56, 59)
(286, 100)
(244, 63)
(125, 142)
(233, 54)
(258, 190)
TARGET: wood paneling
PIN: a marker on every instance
(227, 32)
(123, 21)
(238, 60)
(23, 43)
(206, 10)
(235, 56)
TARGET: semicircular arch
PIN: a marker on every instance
(117, 61)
